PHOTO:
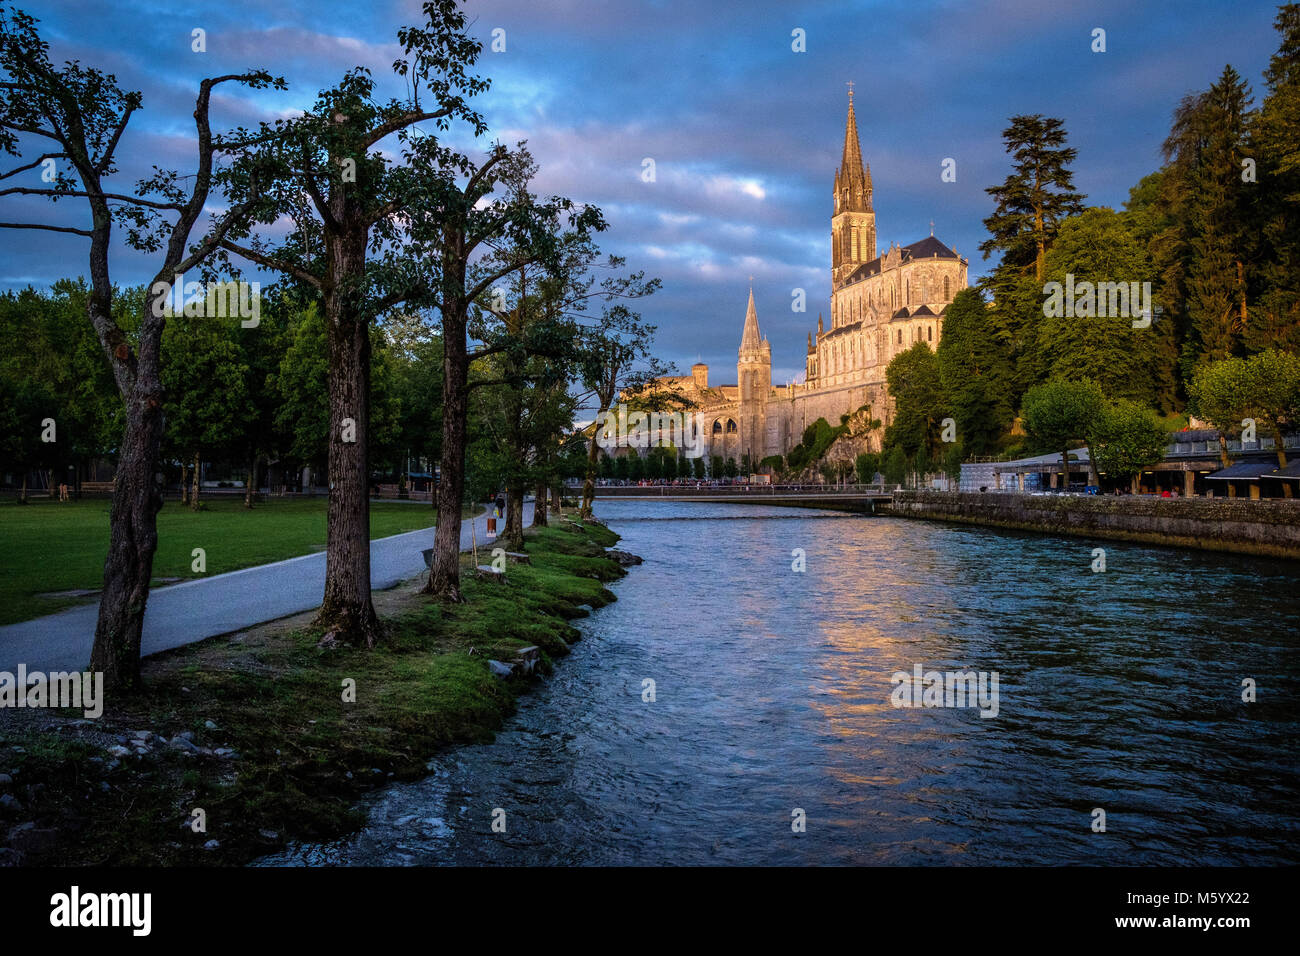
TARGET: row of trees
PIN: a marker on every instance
(368, 218)
(245, 396)
(1215, 231)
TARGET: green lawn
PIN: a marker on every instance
(48, 546)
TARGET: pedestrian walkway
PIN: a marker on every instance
(180, 614)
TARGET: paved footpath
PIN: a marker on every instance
(182, 613)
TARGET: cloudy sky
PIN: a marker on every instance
(745, 132)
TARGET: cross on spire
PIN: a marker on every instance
(849, 84)
(932, 227)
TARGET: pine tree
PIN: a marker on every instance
(1146, 219)
(1211, 242)
(1275, 322)
(1031, 204)
(1037, 195)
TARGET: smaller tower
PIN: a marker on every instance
(754, 373)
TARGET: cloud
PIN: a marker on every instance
(745, 133)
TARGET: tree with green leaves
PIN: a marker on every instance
(866, 464)
(1035, 198)
(975, 371)
(1219, 393)
(1147, 219)
(54, 355)
(25, 409)
(416, 351)
(614, 361)
(366, 222)
(1275, 130)
(920, 401)
(303, 412)
(1033, 201)
(1211, 240)
(1125, 439)
(205, 382)
(1096, 247)
(1059, 413)
(1273, 397)
(78, 115)
(470, 209)
(896, 465)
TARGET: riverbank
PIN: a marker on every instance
(259, 731)
(1269, 528)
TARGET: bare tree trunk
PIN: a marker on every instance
(539, 506)
(185, 483)
(248, 485)
(514, 530)
(347, 610)
(589, 481)
(194, 491)
(557, 499)
(444, 575)
(133, 539)
(1280, 445)
(22, 495)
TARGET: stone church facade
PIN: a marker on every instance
(881, 305)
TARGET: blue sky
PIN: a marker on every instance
(745, 132)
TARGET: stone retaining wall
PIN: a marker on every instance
(1267, 527)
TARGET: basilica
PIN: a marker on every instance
(881, 304)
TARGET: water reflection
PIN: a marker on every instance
(1118, 690)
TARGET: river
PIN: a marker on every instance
(1118, 690)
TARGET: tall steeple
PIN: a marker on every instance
(750, 339)
(853, 178)
(853, 224)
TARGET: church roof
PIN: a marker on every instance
(842, 330)
(920, 312)
(927, 248)
(750, 339)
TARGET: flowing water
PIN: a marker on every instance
(1119, 690)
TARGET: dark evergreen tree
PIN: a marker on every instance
(975, 369)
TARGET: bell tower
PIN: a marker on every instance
(853, 226)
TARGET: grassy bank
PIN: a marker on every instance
(51, 547)
(276, 699)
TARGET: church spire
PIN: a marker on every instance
(853, 178)
(750, 339)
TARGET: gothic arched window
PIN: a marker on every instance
(945, 288)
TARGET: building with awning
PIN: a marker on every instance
(1285, 476)
(1243, 476)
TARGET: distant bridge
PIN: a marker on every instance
(857, 498)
